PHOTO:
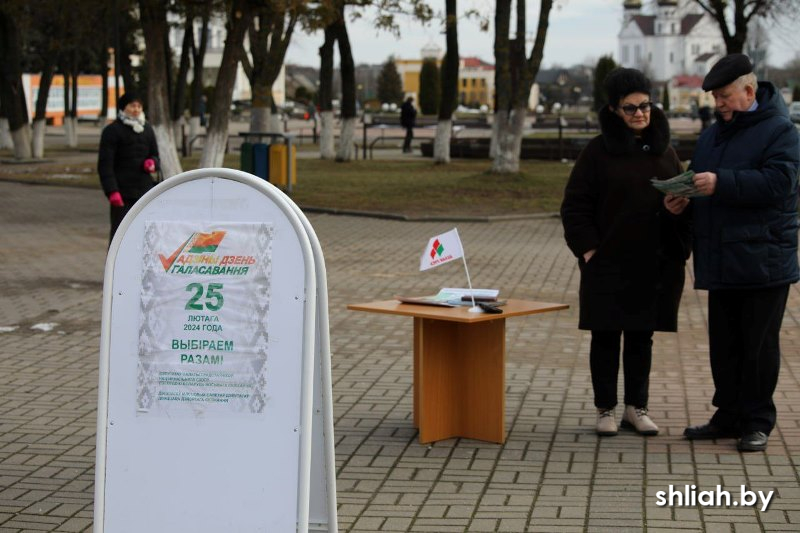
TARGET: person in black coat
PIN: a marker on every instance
(408, 119)
(127, 158)
(631, 251)
(745, 246)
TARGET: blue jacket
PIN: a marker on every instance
(745, 234)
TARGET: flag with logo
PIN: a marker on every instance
(441, 249)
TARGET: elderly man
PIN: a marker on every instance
(745, 246)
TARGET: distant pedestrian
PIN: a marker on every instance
(705, 117)
(127, 158)
(408, 119)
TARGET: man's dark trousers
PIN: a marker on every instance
(744, 330)
(408, 139)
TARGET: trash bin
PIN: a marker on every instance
(246, 158)
(277, 165)
(261, 160)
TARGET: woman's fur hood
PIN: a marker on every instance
(619, 139)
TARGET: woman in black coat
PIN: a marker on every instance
(631, 251)
(127, 159)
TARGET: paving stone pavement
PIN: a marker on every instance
(552, 474)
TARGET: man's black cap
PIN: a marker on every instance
(726, 71)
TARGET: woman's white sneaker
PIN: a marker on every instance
(606, 423)
(637, 419)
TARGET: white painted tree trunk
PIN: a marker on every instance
(509, 141)
(327, 149)
(504, 160)
(194, 128)
(167, 154)
(214, 149)
(441, 144)
(346, 136)
(22, 142)
(493, 141)
(275, 123)
(37, 143)
(260, 119)
(6, 142)
(71, 132)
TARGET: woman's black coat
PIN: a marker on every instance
(120, 162)
(635, 279)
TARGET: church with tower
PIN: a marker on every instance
(668, 38)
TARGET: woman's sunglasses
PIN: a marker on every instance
(630, 109)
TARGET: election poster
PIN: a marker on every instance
(205, 306)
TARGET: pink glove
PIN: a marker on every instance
(115, 198)
(149, 165)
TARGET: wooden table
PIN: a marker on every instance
(459, 366)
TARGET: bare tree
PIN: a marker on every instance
(270, 32)
(153, 15)
(198, 57)
(743, 12)
(514, 75)
(12, 95)
(348, 74)
(449, 94)
(326, 138)
(217, 136)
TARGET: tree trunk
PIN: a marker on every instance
(348, 74)
(37, 144)
(449, 94)
(327, 141)
(70, 135)
(39, 117)
(261, 119)
(21, 137)
(179, 92)
(6, 142)
(72, 140)
(346, 137)
(198, 56)
(154, 27)
(217, 135)
(326, 138)
(441, 145)
(15, 108)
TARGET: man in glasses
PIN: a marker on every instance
(745, 246)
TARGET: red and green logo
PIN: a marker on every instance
(197, 243)
(437, 249)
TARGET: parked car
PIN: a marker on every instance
(794, 111)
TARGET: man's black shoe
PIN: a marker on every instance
(708, 432)
(753, 441)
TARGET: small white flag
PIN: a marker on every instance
(441, 249)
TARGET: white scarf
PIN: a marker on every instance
(137, 123)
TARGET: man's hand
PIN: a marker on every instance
(115, 199)
(588, 255)
(706, 182)
(675, 204)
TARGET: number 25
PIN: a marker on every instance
(213, 300)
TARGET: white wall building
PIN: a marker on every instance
(667, 38)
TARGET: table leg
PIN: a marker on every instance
(459, 379)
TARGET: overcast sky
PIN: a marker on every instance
(580, 32)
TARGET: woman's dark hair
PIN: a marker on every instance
(621, 82)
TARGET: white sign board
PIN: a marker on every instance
(210, 344)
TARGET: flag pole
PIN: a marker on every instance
(474, 308)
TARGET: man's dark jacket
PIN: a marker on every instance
(120, 162)
(635, 279)
(745, 234)
(408, 115)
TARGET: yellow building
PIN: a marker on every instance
(475, 77)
